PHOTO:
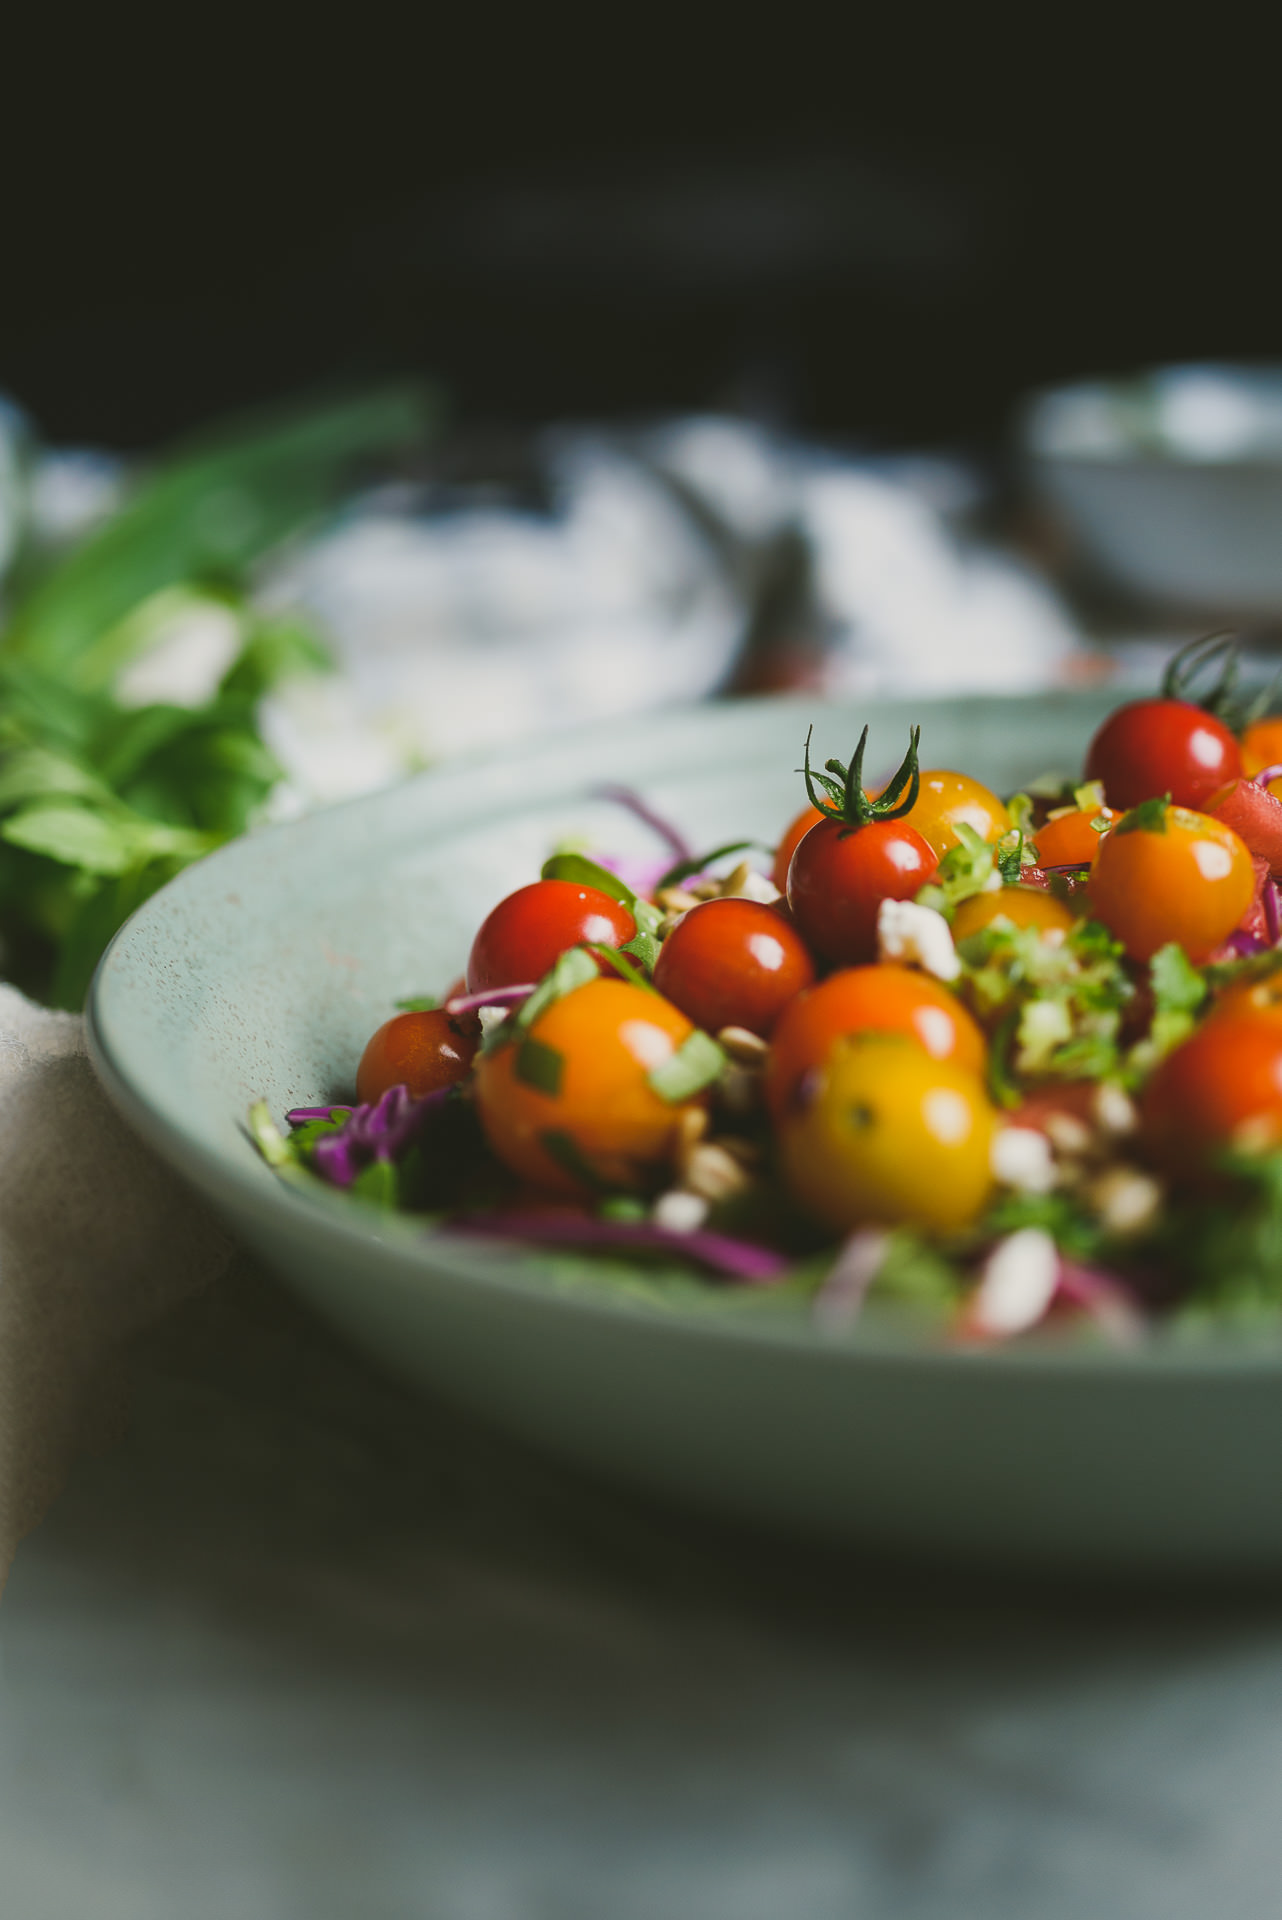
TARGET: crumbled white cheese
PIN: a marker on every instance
(1021, 1157)
(1018, 1283)
(916, 936)
(1114, 1109)
(994, 882)
(679, 1212)
(491, 1017)
(1126, 1200)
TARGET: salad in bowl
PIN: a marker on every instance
(1010, 1064)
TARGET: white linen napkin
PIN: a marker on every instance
(97, 1240)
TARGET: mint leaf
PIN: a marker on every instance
(697, 1062)
(74, 836)
(38, 773)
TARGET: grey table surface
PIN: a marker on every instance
(303, 1645)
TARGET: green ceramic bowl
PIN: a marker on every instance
(261, 973)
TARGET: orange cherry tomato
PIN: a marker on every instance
(880, 999)
(1223, 1086)
(1188, 879)
(573, 1103)
(733, 963)
(886, 1135)
(795, 834)
(1021, 906)
(1068, 839)
(1252, 996)
(947, 799)
(1262, 747)
(422, 1051)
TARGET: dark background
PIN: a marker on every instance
(887, 235)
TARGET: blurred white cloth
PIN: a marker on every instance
(489, 623)
(97, 1240)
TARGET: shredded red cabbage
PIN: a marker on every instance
(734, 1259)
(492, 997)
(298, 1116)
(383, 1131)
(674, 838)
(1108, 1300)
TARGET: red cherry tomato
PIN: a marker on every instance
(529, 931)
(1152, 747)
(422, 1051)
(1223, 1085)
(839, 877)
(733, 963)
(795, 834)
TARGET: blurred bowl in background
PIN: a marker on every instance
(1168, 484)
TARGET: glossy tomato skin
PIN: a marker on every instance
(890, 1137)
(1151, 747)
(1191, 882)
(878, 999)
(607, 1036)
(1068, 838)
(1018, 905)
(422, 1051)
(946, 800)
(528, 931)
(1223, 1086)
(796, 832)
(733, 963)
(1261, 748)
(839, 877)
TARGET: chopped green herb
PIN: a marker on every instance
(697, 1062)
(540, 1066)
(1148, 817)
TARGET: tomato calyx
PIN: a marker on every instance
(839, 795)
(1185, 666)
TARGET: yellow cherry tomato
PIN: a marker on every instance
(947, 799)
(1020, 906)
(573, 1102)
(1261, 748)
(1186, 877)
(889, 1136)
